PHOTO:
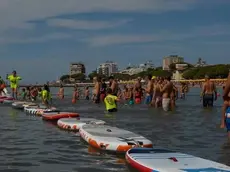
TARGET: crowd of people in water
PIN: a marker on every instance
(157, 92)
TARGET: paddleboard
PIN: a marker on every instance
(74, 124)
(5, 99)
(8, 101)
(19, 104)
(58, 115)
(37, 110)
(22, 104)
(109, 138)
(163, 160)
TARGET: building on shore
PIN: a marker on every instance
(132, 70)
(76, 68)
(200, 63)
(167, 61)
(107, 68)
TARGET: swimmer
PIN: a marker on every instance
(103, 90)
(167, 92)
(14, 80)
(2, 86)
(126, 94)
(23, 94)
(149, 89)
(97, 87)
(225, 122)
(207, 92)
(46, 96)
(113, 84)
(110, 101)
(157, 95)
(75, 95)
(61, 92)
(87, 93)
(138, 95)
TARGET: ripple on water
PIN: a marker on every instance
(30, 144)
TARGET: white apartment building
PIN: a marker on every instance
(107, 68)
(137, 69)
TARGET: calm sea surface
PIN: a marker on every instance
(29, 144)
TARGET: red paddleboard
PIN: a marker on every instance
(58, 115)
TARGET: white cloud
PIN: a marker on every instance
(203, 31)
(44, 38)
(86, 24)
(16, 13)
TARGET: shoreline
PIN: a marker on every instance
(92, 85)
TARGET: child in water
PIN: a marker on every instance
(87, 93)
(110, 101)
(23, 94)
(75, 95)
(138, 95)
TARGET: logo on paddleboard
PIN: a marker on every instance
(205, 170)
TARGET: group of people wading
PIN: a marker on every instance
(27, 94)
(158, 92)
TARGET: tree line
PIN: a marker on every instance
(214, 71)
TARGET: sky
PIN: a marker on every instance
(39, 39)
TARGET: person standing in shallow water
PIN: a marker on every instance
(208, 89)
(225, 115)
(149, 90)
(14, 81)
(61, 92)
(168, 93)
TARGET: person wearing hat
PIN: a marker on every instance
(14, 81)
(209, 93)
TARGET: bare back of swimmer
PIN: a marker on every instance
(207, 92)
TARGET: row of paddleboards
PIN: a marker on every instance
(140, 153)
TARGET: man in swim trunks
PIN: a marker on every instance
(149, 90)
(14, 79)
(225, 116)
(97, 87)
(113, 85)
(110, 101)
(61, 92)
(207, 92)
(157, 95)
(167, 91)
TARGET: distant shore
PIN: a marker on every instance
(92, 84)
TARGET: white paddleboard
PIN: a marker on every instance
(109, 138)
(162, 160)
(19, 104)
(37, 110)
(74, 124)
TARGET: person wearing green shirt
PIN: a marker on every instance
(14, 83)
(46, 96)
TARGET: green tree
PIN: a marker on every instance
(92, 75)
(121, 76)
(215, 71)
(161, 73)
(64, 77)
(189, 74)
(79, 76)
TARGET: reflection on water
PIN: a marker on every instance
(27, 143)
